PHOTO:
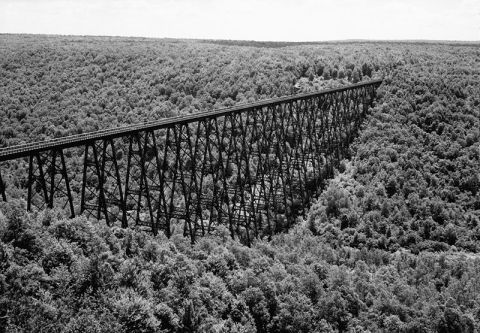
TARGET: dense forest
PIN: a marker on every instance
(52, 87)
(391, 245)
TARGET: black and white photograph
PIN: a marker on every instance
(239, 166)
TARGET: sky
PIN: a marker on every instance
(264, 20)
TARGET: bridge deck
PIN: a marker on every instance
(28, 149)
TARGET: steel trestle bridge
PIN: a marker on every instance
(252, 168)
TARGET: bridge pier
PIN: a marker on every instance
(35, 180)
(92, 182)
(43, 173)
(2, 188)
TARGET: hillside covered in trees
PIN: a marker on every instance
(52, 86)
(391, 245)
(61, 275)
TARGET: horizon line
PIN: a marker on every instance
(348, 40)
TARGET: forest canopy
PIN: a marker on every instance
(64, 275)
(392, 244)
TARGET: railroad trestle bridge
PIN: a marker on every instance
(253, 167)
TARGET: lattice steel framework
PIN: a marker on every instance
(252, 168)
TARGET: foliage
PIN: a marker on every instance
(390, 245)
(414, 179)
(55, 86)
(75, 275)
